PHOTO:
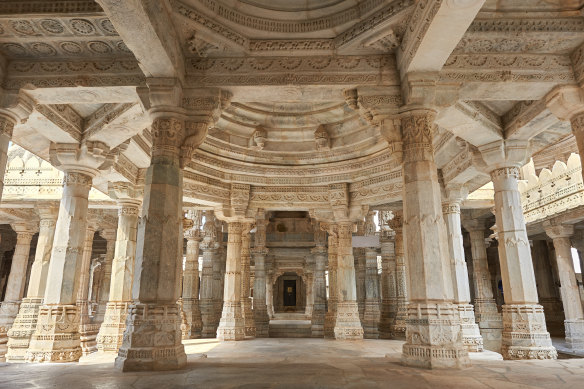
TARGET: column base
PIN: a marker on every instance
(371, 318)
(490, 324)
(317, 322)
(524, 333)
(56, 338)
(231, 327)
(193, 318)
(399, 326)
(208, 330)
(262, 321)
(8, 312)
(575, 334)
(348, 324)
(248, 319)
(554, 315)
(111, 332)
(387, 319)
(152, 340)
(22, 329)
(471, 335)
(433, 337)
(330, 320)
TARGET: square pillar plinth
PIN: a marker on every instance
(152, 340)
(524, 333)
(433, 337)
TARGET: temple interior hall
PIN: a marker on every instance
(291, 194)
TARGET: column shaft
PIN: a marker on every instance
(25, 322)
(190, 286)
(152, 339)
(487, 315)
(111, 332)
(433, 325)
(331, 314)
(319, 287)
(372, 314)
(524, 329)
(87, 328)
(388, 285)
(347, 325)
(15, 284)
(61, 343)
(471, 336)
(246, 311)
(231, 326)
(104, 291)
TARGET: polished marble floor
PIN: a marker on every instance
(298, 363)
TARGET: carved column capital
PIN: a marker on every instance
(417, 131)
(559, 230)
(87, 158)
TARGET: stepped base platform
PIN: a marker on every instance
(290, 325)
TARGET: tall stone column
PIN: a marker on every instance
(388, 284)
(218, 284)
(25, 323)
(209, 245)
(401, 277)
(471, 336)
(547, 291)
(246, 311)
(359, 255)
(347, 325)
(372, 314)
(152, 339)
(110, 237)
(231, 326)
(112, 329)
(574, 322)
(61, 343)
(15, 283)
(433, 325)
(524, 329)
(87, 329)
(487, 315)
(15, 108)
(270, 286)
(190, 284)
(331, 314)
(319, 283)
(260, 309)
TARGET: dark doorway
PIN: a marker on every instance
(289, 293)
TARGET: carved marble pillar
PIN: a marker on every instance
(112, 329)
(15, 283)
(547, 290)
(574, 322)
(331, 314)
(359, 255)
(61, 343)
(25, 323)
(232, 326)
(401, 278)
(6, 127)
(347, 325)
(110, 236)
(87, 330)
(433, 325)
(260, 309)
(487, 315)
(319, 308)
(190, 284)
(209, 245)
(372, 313)
(218, 284)
(524, 329)
(246, 311)
(471, 336)
(270, 286)
(388, 285)
(152, 339)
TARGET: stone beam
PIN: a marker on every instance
(507, 76)
(148, 30)
(74, 79)
(472, 122)
(528, 119)
(435, 28)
